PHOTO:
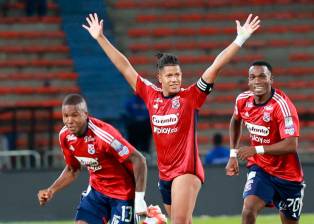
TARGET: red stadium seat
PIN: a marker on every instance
(31, 35)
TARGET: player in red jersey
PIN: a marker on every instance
(173, 112)
(117, 170)
(275, 174)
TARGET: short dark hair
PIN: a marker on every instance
(165, 59)
(263, 63)
(75, 99)
(217, 139)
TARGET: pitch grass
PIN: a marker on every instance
(263, 219)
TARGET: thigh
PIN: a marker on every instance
(184, 193)
(289, 198)
(122, 211)
(259, 184)
(94, 207)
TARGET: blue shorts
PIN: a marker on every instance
(286, 195)
(165, 190)
(98, 208)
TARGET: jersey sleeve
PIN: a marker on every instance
(118, 146)
(69, 159)
(236, 110)
(197, 96)
(144, 88)
(288, 120)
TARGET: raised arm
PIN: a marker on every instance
(95, 28)
(244, 32)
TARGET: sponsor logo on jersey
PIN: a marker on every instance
(165, 120)
(89, 139)
(71, 137)
(266, 117)
(119, 148)
(288, 122)
(156, 103)
(91, 149)
(176, 103)
(257, 129)
(71, 148)
(289, 131)
(249, 104)
(260, 139)
(165, 130)
(91, 163)
(268, 108)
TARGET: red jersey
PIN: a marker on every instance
(268, 124)
(173, 121)
(103, 151)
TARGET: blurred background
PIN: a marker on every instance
(45, 54)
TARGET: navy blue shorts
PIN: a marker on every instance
(98, 208)
(165, 190)
(286, 195)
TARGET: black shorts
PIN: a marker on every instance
(165, 190)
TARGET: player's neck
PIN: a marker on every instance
(83, 131)
(263, 99)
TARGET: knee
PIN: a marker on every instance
(180, 219)
(249, 214)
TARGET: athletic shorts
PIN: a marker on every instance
(286, 195)
(97, 208)
(165, 190)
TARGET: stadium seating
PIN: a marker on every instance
(197, 30)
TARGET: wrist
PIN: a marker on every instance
(260, 149)
(240, 40)
(139, 195)
(233, 153)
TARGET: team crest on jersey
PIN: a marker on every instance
(176, 103)
(71, 137)
(91, 149)
(266, 117)
(247, 114)
(119, 148)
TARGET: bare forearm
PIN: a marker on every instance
(220, 61)
(235, 132)
(140, 173)
(283, 147)
(66, 178)
(119, 60)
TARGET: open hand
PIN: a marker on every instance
(95, 28)
(248, 27)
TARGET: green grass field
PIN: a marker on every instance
(265, 219)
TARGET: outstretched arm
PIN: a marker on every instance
(67, 176)
(95, 28)
(244, 32)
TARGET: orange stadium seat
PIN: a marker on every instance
(20, 5)
(27, 20)
(31, 35)
(37, 63)
(38, 90)
(301, 57)
(39, 76)
(34, 49)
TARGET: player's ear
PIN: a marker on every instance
(159, 77)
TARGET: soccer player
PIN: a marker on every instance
(173, 113)
(275, 176)
(117, 170)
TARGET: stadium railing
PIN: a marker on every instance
(23, 159)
